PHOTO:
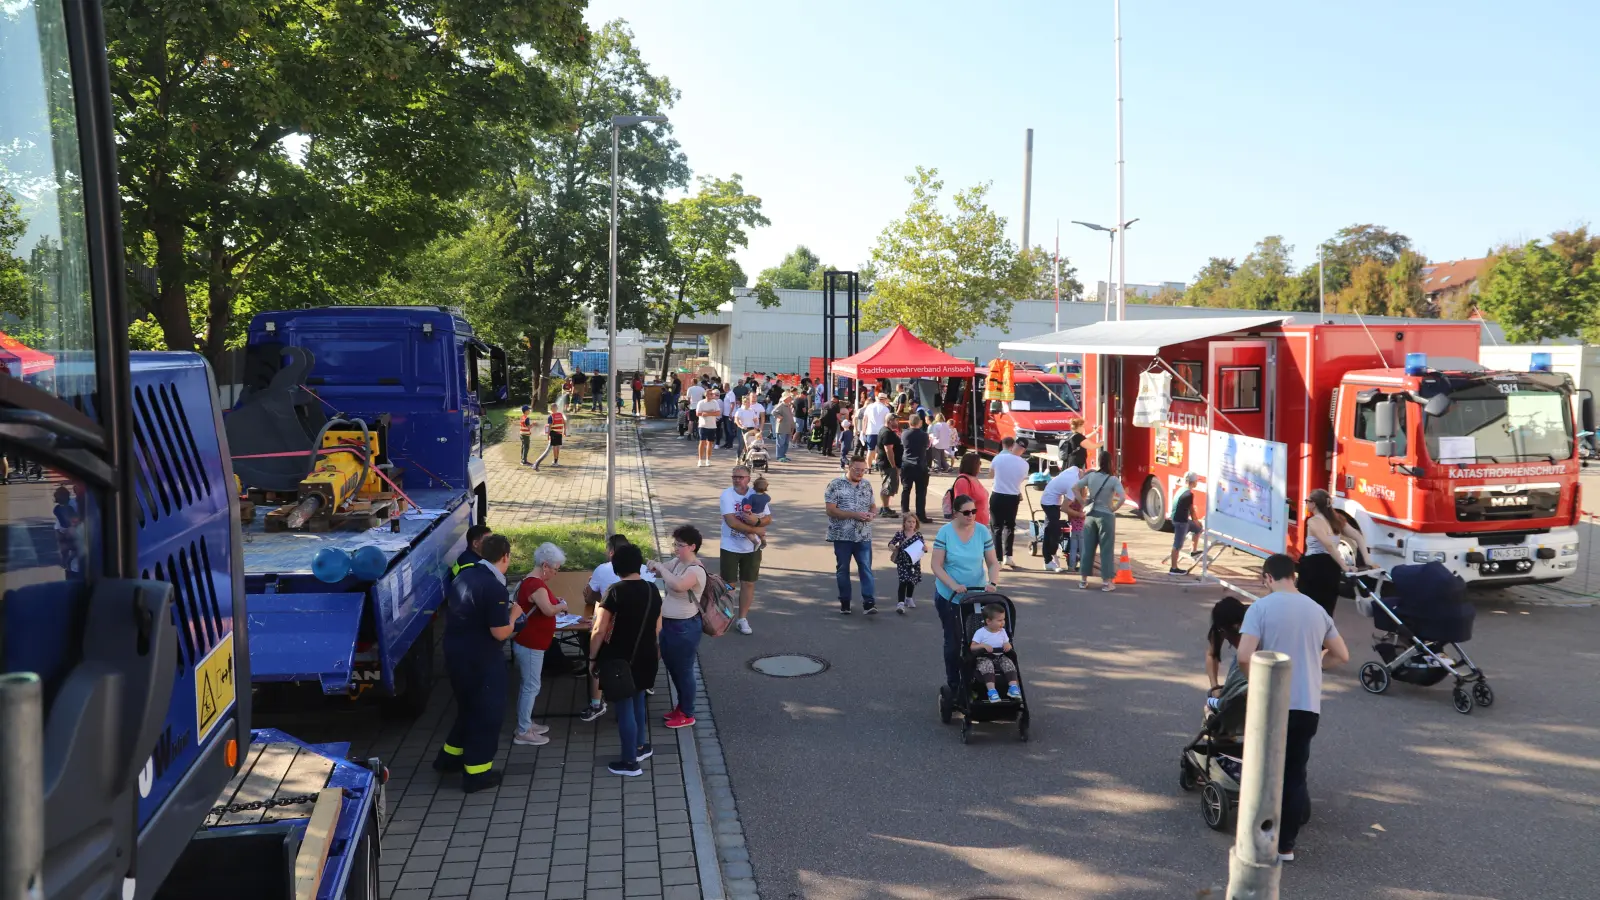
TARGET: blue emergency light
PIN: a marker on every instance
(1416, 363)
(1541, 363)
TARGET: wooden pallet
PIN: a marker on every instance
(360, 515)
(273, 771)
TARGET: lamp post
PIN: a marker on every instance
(1111, 263)
(617, 122)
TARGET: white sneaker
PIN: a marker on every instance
(743, 625)
(1011, 562)
(530, 739)
(900, 608)
(536, 728)
(1051, 566)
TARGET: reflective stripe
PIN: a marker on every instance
(558, 423)
(479, 769)
(452, 751)
(525, 425)
(456, 569)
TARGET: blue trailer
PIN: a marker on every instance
(410, 372)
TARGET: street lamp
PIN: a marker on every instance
(617, 123)
(1111, 265)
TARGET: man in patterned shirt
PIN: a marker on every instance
(852, 504)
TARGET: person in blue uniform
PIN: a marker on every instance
(474, 551)
(477, 620)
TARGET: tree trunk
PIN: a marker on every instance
(666, 356)
(535, 377)
(547, 348)
(172, 296)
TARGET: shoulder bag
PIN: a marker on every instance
(716, 606)
(615, 673)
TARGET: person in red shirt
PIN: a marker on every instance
(638, 392)
(537, 612)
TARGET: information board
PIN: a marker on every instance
(1247, 493)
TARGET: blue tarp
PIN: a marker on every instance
(591, 361)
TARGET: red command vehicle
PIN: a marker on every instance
(1042, 410)
(1434, 457)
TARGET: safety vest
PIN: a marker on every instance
(558, 423)
(525, 426)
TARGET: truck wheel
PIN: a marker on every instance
(480, 503)
(363, 883)
(1154, 506)
(413, 679)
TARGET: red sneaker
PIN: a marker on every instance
(673, 715)
(680, 721)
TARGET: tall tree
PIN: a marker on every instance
(13, 269)
(1404, 282)
(1353, 245)
(1366, 292)
(396, 109)
(1264, 275)
(705, 230)
(560, 195)
(944, 274)
(1212, 283)
(1545, 290)
(1042, 277)
(795, 272)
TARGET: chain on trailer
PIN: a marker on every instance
(273, 803)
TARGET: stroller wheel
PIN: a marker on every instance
(1482, 693)
(1215, 807)
(946, 710)
(1375, 678)
(1188, 778)
(1462, 701)
(1022, 732)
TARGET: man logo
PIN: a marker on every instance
(1514, 500)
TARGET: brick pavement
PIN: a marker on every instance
(560, 826)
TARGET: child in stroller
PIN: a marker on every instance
(991, 644)
(1423, 617)
(755, 451)
(1213, 761)
(982, 663)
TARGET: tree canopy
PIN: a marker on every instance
(1545, 289)
(13, 269)
(944, 274)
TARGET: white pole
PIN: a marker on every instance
(1056, 265)
(1253, 866)
(1027, 194)
(611, 356)
(1322, 298)
(1111, 264)
(1122, 216)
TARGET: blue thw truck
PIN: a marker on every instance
(128, 767)
(410, 377)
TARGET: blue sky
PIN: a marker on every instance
(1461, 124)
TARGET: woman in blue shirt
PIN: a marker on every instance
(962, 555)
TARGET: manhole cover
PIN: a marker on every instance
(789, 665)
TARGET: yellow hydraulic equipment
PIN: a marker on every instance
(342, 483)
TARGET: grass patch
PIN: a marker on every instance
(585, 544)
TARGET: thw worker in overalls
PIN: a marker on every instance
(477, 620)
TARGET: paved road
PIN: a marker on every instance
(849, 787)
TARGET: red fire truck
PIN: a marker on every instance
(1041, 411)
(1431, 455)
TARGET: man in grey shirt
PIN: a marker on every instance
(1293, 624)
(783, 425)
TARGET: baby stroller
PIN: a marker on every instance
(1423, 616)
(755, 455)
(1213, 761)
(972, 699)
(1036, 519)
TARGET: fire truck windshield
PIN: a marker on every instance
(1043, 397)
(1500, 421)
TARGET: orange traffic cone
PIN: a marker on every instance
(1124, 568)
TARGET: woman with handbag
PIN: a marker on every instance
(684, 577)
(627, 627)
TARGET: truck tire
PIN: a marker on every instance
(413, 679)
(1153, 505)
(480, 505)
(363, 883)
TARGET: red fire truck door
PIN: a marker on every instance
(1238, 377)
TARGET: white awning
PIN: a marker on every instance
(1144, 337)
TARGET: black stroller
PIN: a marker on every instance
(1213, 761)
(1423, 616)
(972, 699)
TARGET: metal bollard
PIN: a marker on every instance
(21, 787)
(1253, 866)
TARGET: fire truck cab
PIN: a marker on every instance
(1432, 456)
(1041, 411)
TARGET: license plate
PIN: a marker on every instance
(1509, 553)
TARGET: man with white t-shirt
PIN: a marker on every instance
(874, 416)
(605, 575)
(1058, 493)
(749, 415)
(697, 392)
(741, 558)
(708, 416)
(1291, 623)
(1010, 469)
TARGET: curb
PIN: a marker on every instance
(714, 827)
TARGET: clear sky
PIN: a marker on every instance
(1462, 124)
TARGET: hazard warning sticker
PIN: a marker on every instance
(213, 688)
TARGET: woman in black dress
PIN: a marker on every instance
(628, 627)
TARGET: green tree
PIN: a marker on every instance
(1404, 283)
(559, 198)
(394, 109)
(1354, 244)
(1042, 277)
(795, 272)
(13, 270)
(942, 275)
(1545, 290)
(705, 230)
(1367, 291)
(1263, 277)
(1212, 284)
(1167, 296)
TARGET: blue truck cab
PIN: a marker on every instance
(413, 374)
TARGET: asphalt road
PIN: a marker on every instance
(849, 787)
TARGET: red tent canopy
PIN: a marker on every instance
(20, 359)
(900, 354)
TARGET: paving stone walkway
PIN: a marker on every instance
(560, 826)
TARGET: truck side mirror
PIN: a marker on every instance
(994, 407)
(1586, 411)
(1437, 405)
(1384, 448)
(1384, 420)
